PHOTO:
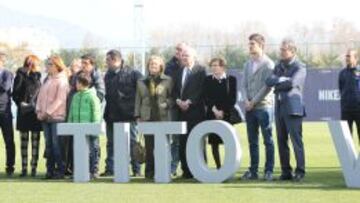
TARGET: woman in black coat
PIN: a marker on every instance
(220, 96)
(27, 83)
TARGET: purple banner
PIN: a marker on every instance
(321, 94)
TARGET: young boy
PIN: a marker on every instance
(85, 108)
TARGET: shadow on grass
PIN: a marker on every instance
(317, 178)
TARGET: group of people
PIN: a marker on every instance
(180, 90)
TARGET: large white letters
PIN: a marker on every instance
(80, 132)
(348, 157)
(121, 148)
(161, 132)
(195, 152)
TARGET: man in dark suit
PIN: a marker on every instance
(172, 67)
(6, 80)
(189, 102)
(288, 81)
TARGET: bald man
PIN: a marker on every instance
(349, 86)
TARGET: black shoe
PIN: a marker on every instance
(68, 173)
(94, 176)
(33, 172)
(138, 174)
(10, 171)
(174, 175)
(299, 177)
(187, 176)
(48, 176)
(107, 173)
(284, 177)
(23, 173)
(248, 175)
(149, 175)
(58, 176)
(268, 176)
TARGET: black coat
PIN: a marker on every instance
(120, 94)
(349, 90)
(172, 67)
(6, 79)
(25, 89)
(222, 94)
(192, 90)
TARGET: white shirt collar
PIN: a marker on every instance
(223, 76)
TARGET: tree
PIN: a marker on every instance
(15, 55)
(68, 55)
(234, 55)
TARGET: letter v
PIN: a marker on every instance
(348, 157)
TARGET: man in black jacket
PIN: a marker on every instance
(349, 86)
(120, 84)
(6, 80)
(172, 67)
(188, 85)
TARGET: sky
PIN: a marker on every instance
(115, 17)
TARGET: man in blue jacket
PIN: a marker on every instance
(6, 80)
(349, 86)
(288, 80)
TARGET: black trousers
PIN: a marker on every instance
(67, 147)
(289, 125)
(7, 129)
(149, 165)
(351, 117)
(182, 151)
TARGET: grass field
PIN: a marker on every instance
(323, 183)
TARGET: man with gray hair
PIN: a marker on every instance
(187, 92)
(288, 81)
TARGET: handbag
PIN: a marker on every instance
(234, 116)
(234, 112)
(29, 107)
(139, 151)
(26, 108)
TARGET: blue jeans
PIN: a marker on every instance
(94, 154)
(262, 118)
(54, 161)
(175, 156)
(110, 148)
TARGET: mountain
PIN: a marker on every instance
(69, 35)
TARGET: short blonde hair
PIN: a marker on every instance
(159, 59)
